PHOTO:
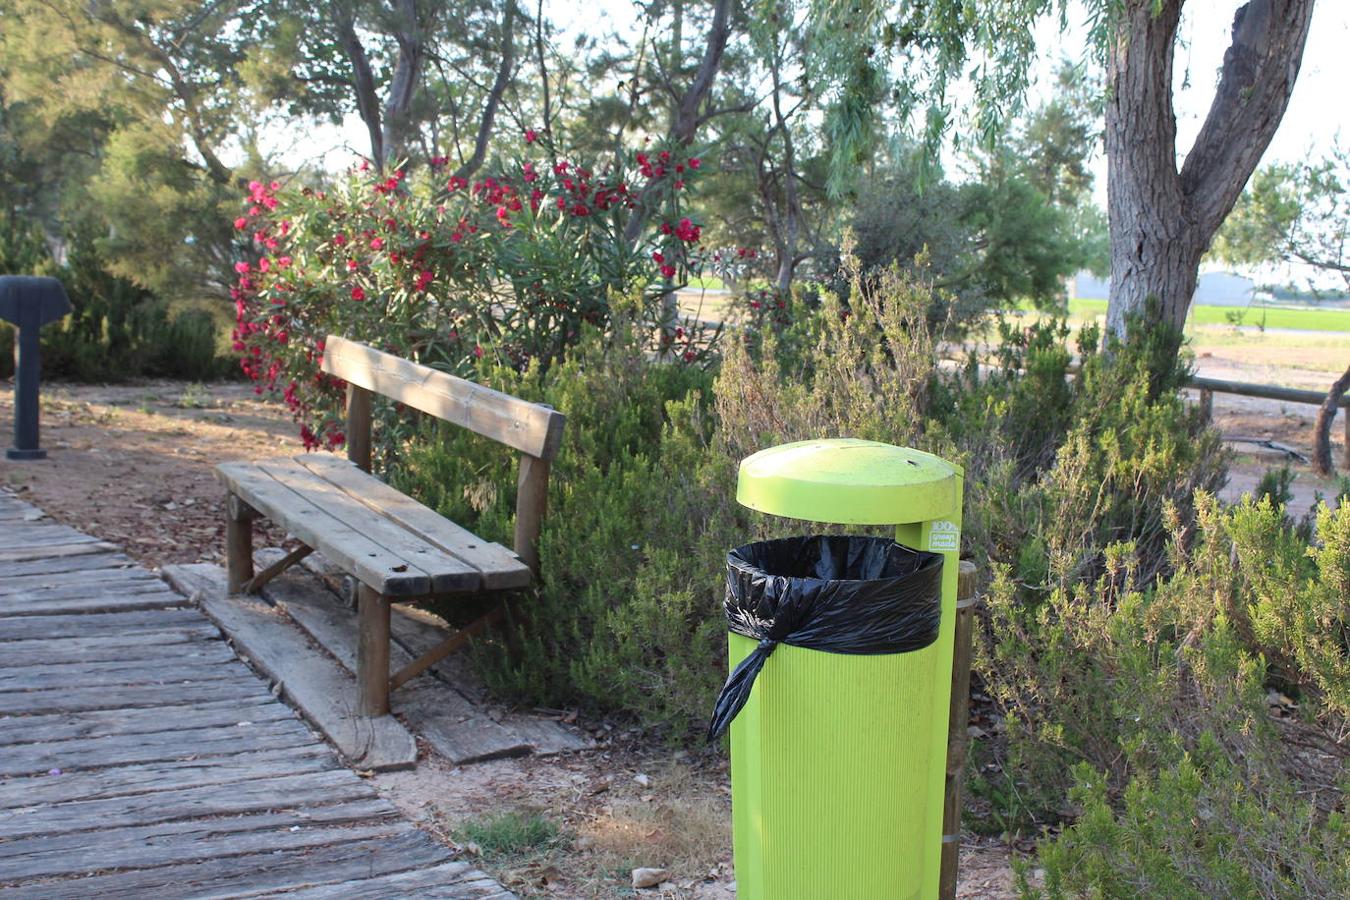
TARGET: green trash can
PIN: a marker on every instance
(837, 758)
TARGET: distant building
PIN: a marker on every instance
(1213, 289)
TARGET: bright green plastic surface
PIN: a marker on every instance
(848, 482)
(837, 761)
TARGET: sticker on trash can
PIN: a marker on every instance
(944, 537)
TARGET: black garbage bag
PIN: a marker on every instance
(838, 593)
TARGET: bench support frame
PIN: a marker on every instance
(372, 652)
(239, 518)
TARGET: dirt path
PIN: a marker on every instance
(132, 464)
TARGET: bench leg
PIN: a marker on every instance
(372, 653)
(239, 518)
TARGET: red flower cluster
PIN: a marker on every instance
(412, 261)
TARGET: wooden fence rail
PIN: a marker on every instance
(1208, 387)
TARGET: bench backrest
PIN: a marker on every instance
(533, 429)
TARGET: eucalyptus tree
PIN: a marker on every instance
(902, 58)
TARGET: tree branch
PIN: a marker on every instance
(1259, 70)
(495, 95)
(367, 104)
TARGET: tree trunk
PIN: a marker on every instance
(1162, 220)
(410, 34)
(1322, 429)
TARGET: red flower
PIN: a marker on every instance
(658, 257)
(530, 135)
(424, 279)
(240, 223)
(456, 237)
(376, 244)
(695, 162)
(241, 267)
(668, 270)
(478, 351)
(358, 294)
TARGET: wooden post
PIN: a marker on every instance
(372, 653)
(1345, 450)
(239, 518)
(1207, 404)
(358, 426)
(957, 738)
(531, 504)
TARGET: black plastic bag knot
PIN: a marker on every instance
(837, 593)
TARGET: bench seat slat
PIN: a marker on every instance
(344, 544)
(501, 568)
(448, 574)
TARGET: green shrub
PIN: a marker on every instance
(1148, 710)
(641, 512)
(1199, 828)
(116, 329)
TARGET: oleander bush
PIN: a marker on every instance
(443, 271)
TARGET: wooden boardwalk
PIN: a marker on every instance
(140, 758)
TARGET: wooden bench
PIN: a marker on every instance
(396, 548)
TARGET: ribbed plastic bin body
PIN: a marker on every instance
(837, 760)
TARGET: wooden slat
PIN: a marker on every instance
(447, 573)
(65, 601)
(166, 645)
(285, 792)
(258, 873)
(166, 775)
(156, 746)
(40, 535)
(313, 682)
(21, 628)
(65, 564)
(528, 427)
(344, 544)
(52, 551)
(168, 843)
(214, 661)
(500, 567)
(74, 699)
(88, 580)
(64, 726)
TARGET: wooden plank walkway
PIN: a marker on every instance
(139, 757)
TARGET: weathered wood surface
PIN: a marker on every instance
(322, 690)
(457, 728)
(340, 541)
(500, 567)
(140, 758)
(528, 427)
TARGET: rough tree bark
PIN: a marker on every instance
(390, 128)
(1321, 460)
(1162, 220)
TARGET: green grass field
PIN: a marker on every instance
(1274, 317)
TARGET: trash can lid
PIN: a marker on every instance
(848, 481)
